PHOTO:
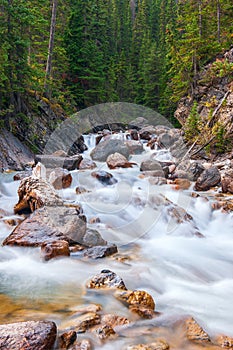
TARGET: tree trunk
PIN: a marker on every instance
(200, 16)
(218, 21)
(51, 46)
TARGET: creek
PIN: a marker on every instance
(185, 274)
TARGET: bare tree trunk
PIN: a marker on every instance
(51, 46)
(133, 9)
(200, 16)
(219, 21)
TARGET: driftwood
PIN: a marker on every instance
(218, 108)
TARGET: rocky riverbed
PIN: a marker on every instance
(129, 247)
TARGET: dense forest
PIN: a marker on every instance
(80, 53)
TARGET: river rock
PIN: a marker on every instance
(84, 344)
(209, 178)
(117, 160)
(143, 312)
(195, 332)
(31, 335)
(50, 250)
(60, 178)
(134, 135)
(183, 184)
(114, 320)
(190, 170)
(106, 279)
(87, 164)
(104, 177)
(51, 162)
(67, 339)
(81, 190)
(227, 181)
(151, 165)
(59, 153)
(165, 140)
(104, 332)
(49, 224)
(81, 323)
(153, 173)
(225, 342)
(135, 147)
(93, 238)
(157, 180)
(105, 148)
(156, 345)
(136, 298)
(99, 252)
(138, 123)
(146, 132)
(35, 193)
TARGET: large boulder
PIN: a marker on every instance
(31, 335)
(209, 178)
(105, 148)
(34, 193)
(150, 165)
(51, 161)
(135, 147)
(49, 224)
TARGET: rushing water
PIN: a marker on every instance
(185, 274)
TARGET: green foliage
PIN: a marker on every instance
(192, 123)
(222, 142)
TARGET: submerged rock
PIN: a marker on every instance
(225, 342)
(81, 323)
(49, 224)
(114, 320)
(84, 344)
(67, 339)
(104, 332)
(209, 178)
(105, 148)
(104, 177)
(106, 279)
(195, 332)
(156, 345)
(50, 250)
(31, 335)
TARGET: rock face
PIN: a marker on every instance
(106, 279)
(117, 160)
(40, 335)
(209, 178)
(213, 92)
(49, 224)
(13, 154)
(105, 148)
